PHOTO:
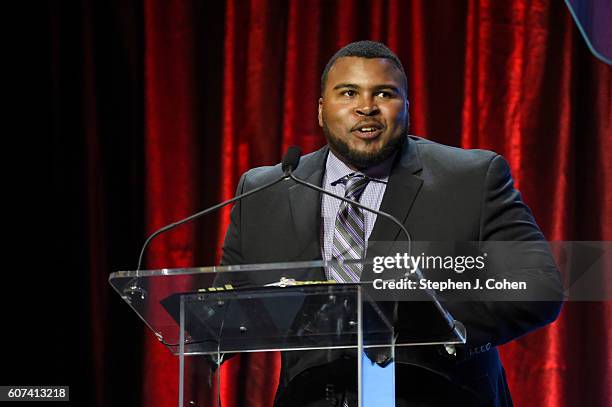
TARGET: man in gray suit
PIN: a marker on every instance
(440, 193)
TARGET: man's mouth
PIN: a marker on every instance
(367, 131)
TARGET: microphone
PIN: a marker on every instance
(290, 161)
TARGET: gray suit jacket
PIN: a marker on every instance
(440, 193)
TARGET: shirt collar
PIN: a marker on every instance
(336, 169)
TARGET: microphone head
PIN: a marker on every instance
(291, 159)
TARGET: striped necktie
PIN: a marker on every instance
(349, 233)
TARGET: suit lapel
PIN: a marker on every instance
(401, 191)
(305, 204)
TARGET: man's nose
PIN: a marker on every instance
(367, 106)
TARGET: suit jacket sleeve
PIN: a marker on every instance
(232, 246)
(520, 254)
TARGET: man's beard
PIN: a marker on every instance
(361, 159)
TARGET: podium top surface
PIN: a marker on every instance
(276, 306)
(222, 269)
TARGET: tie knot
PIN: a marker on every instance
(355, 185)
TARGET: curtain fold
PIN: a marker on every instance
(171, 157)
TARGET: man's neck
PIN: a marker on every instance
(378, 171)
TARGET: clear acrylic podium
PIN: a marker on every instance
(205, 315)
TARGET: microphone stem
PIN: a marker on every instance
(202, 213)
(288, 174)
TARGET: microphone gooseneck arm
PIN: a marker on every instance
(202, 213)
(290, 161)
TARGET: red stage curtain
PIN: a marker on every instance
(514, 77)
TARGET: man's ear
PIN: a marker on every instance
(320, 114)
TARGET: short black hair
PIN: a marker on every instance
(364, 49)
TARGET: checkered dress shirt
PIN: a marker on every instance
(371, 197)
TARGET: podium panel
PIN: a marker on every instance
(207, 315)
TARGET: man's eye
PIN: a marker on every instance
(384, 94)
(349, 93)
